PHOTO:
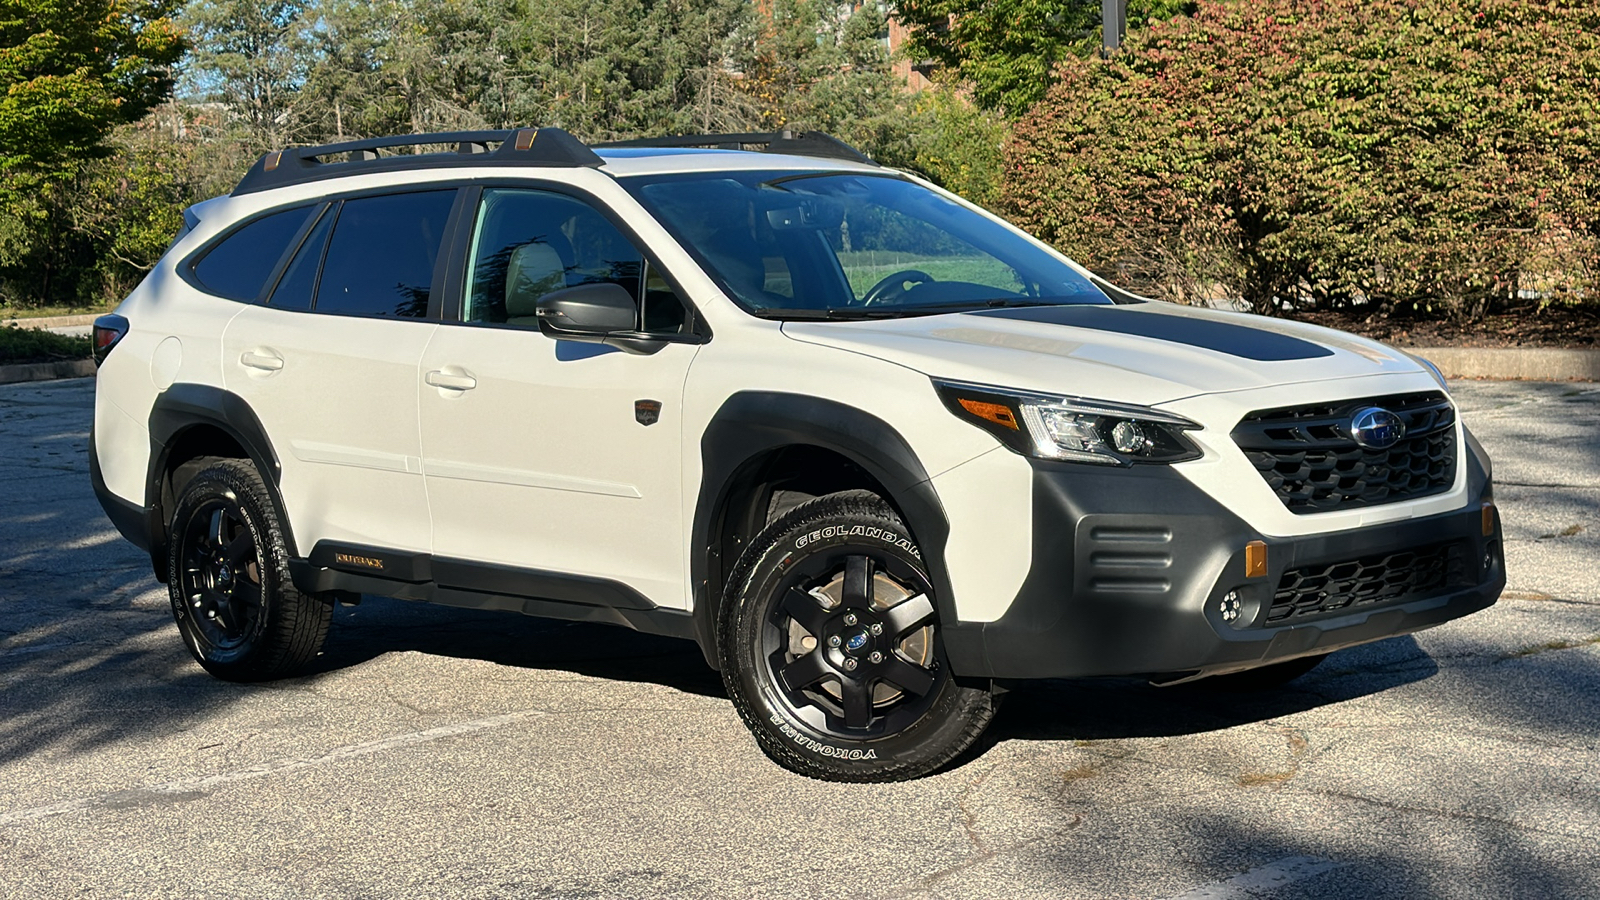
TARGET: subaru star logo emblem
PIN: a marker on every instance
(1376, 428)
(856, 642)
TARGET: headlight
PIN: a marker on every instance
(1071, 428)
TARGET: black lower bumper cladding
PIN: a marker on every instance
(1132, 569)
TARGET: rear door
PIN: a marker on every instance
(329, 364)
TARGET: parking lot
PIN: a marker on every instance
(439, 752)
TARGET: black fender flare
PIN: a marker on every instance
(751, 423)
(183, 407)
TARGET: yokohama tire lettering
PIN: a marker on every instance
(817, 747)
(869, 532)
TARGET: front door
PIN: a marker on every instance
(551, 455)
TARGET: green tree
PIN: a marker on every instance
(822, 64)
(248, 56)
(958, 144)
(1008, 49)
(407, 66)
(1403, 154)
(69, 75)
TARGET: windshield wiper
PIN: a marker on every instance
(854, 313)
(844, 313)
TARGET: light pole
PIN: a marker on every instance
(1113, 24)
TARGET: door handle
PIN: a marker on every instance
(265, 361)
(441, 379)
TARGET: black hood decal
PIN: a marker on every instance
(1209, 334)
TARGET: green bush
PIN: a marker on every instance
(1415, 155)
(26, 345)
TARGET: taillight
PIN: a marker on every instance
(108, 330)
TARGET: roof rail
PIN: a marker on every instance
(798, 143)
(519, 147)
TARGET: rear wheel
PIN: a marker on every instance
(228, 578)
(831, 652)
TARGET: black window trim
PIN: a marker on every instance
(449, 278)
(333, 205)
(325, 210)
(699, 332)
(187, 264)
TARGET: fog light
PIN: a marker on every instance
(1230, 607)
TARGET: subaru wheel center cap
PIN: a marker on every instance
(1376, 428)
(855, 641)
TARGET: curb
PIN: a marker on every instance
(72, 368)
(1513, 363)
(49, 321)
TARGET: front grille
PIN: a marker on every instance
(1309, 458)
(1379, 578)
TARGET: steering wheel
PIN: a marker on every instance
(891, 289)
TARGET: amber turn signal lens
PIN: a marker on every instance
(998, 413)
(1255, 559)
(1488, 520)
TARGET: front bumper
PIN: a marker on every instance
(1131, 567)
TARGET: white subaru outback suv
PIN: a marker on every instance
(877, 451)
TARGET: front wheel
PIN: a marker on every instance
(831, 651)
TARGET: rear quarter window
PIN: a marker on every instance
(237, 267)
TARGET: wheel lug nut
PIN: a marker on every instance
(850, 664)
(875, 656)
(834, 641)
(850, 619)
(877, 628)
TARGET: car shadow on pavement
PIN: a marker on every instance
(1115, 708)
(381, 625)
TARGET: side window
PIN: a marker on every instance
(382, 253)
(238, 267)
(528, 243)
(299, 282)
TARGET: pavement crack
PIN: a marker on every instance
(969, 819)
(1549, 646)
(1443, 813)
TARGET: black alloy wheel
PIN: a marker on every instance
(228, 579)
(220, 573)
(829, 642)
(850, 644)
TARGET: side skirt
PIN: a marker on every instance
(474, 585)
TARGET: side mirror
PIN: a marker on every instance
(588, 312)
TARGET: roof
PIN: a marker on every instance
(546, 148)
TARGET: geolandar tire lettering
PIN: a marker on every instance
(829, 640)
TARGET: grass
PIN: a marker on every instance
(39, 312)
(28, 345)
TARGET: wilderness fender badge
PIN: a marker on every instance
(648, 412)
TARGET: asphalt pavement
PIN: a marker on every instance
(445, 753)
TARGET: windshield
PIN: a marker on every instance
(807, 245)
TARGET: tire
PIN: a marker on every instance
(1265, 678)
(825, 692)
(228, 578)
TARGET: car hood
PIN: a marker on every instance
(1147, 353)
